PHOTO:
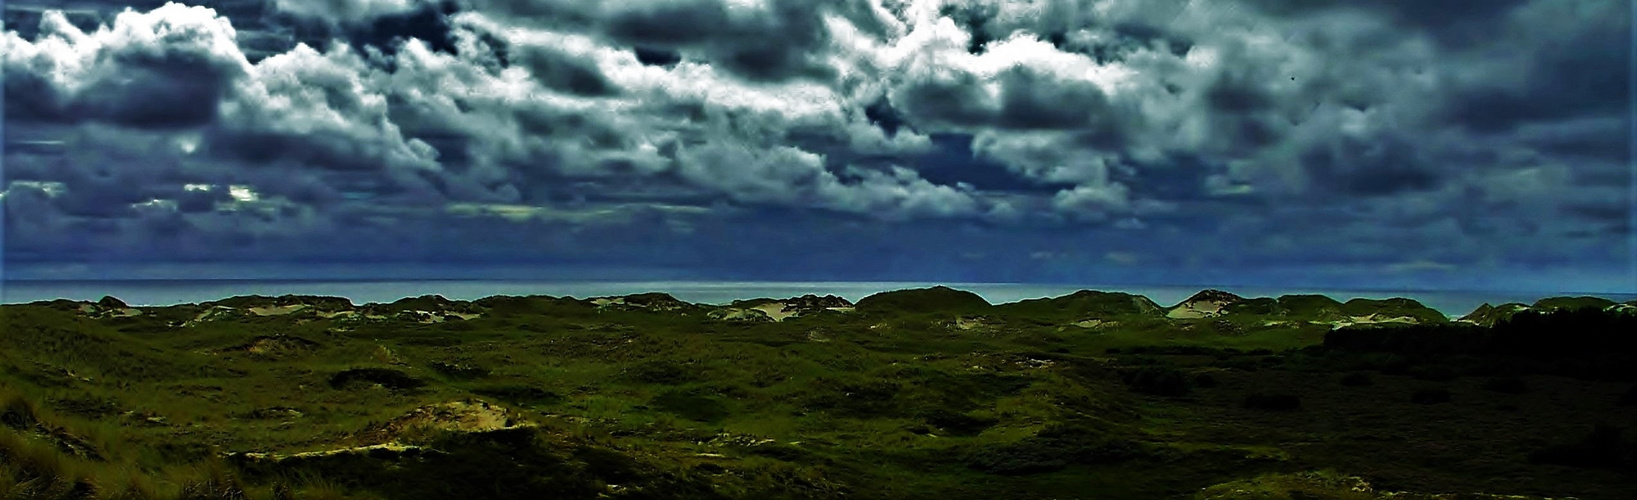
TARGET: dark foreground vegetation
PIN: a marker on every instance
(913, 394)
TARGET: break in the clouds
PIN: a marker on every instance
(1394, 143)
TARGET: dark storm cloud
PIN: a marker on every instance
(1028, 100)
(1452, 21)
(547, 13)
(428, 22)
(881, 113)
(781, 42)
(1183, 177)
(562, 71)
(657, 56)
(154, 94)
(975, 19)
(954, 100)
(953, 160)
(765, 41)
(1606, 138)
(1380, 166)
(30, 96)
(1586, 73)
(29, 208)
(671, 23)
(1199, 135)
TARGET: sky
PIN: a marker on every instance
(1416, 144)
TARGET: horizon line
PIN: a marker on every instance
(1084, 286)
(1331, 294)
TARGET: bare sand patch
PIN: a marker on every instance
(1373, 319)
(104, 311)
(776, 310)
(212, 314)
(731, 314)
(456, 416)
(471, 416)
(277, 310)
(125, 313)
(391, 447)
(1197, 309)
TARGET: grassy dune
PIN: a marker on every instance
(919, 394)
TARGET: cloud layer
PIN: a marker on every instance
(986, 139)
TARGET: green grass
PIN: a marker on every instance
(900, 399)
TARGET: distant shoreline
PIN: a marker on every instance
(164, 292)
(6, 281)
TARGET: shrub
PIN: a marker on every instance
(1506, 385)
(87, 406)
(1325, 485)
(519, 394)
(1434, 373)
(459, 370)
(1430, 396)
(1630, 397)
(510, 463)
(1247, 364)
(17, 413)
(37, 470)
(663, 372)
(386, 377)
(1602, 447)
(1357, 379)
(855, 398)
(956, 424)
(1052, 449)
(924, 300)
(1273, 402)
(1016, 460)
(783, 452)
(218, 483)
(1205, 381)
(689, 405)
(607, 464)
(1158, 381)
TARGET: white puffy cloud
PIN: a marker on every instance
(164, 68)
(179, 67)
(316, 108)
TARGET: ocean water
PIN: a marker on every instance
(168, 292)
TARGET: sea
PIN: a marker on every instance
(171, 291)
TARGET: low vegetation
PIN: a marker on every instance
(913, 394)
